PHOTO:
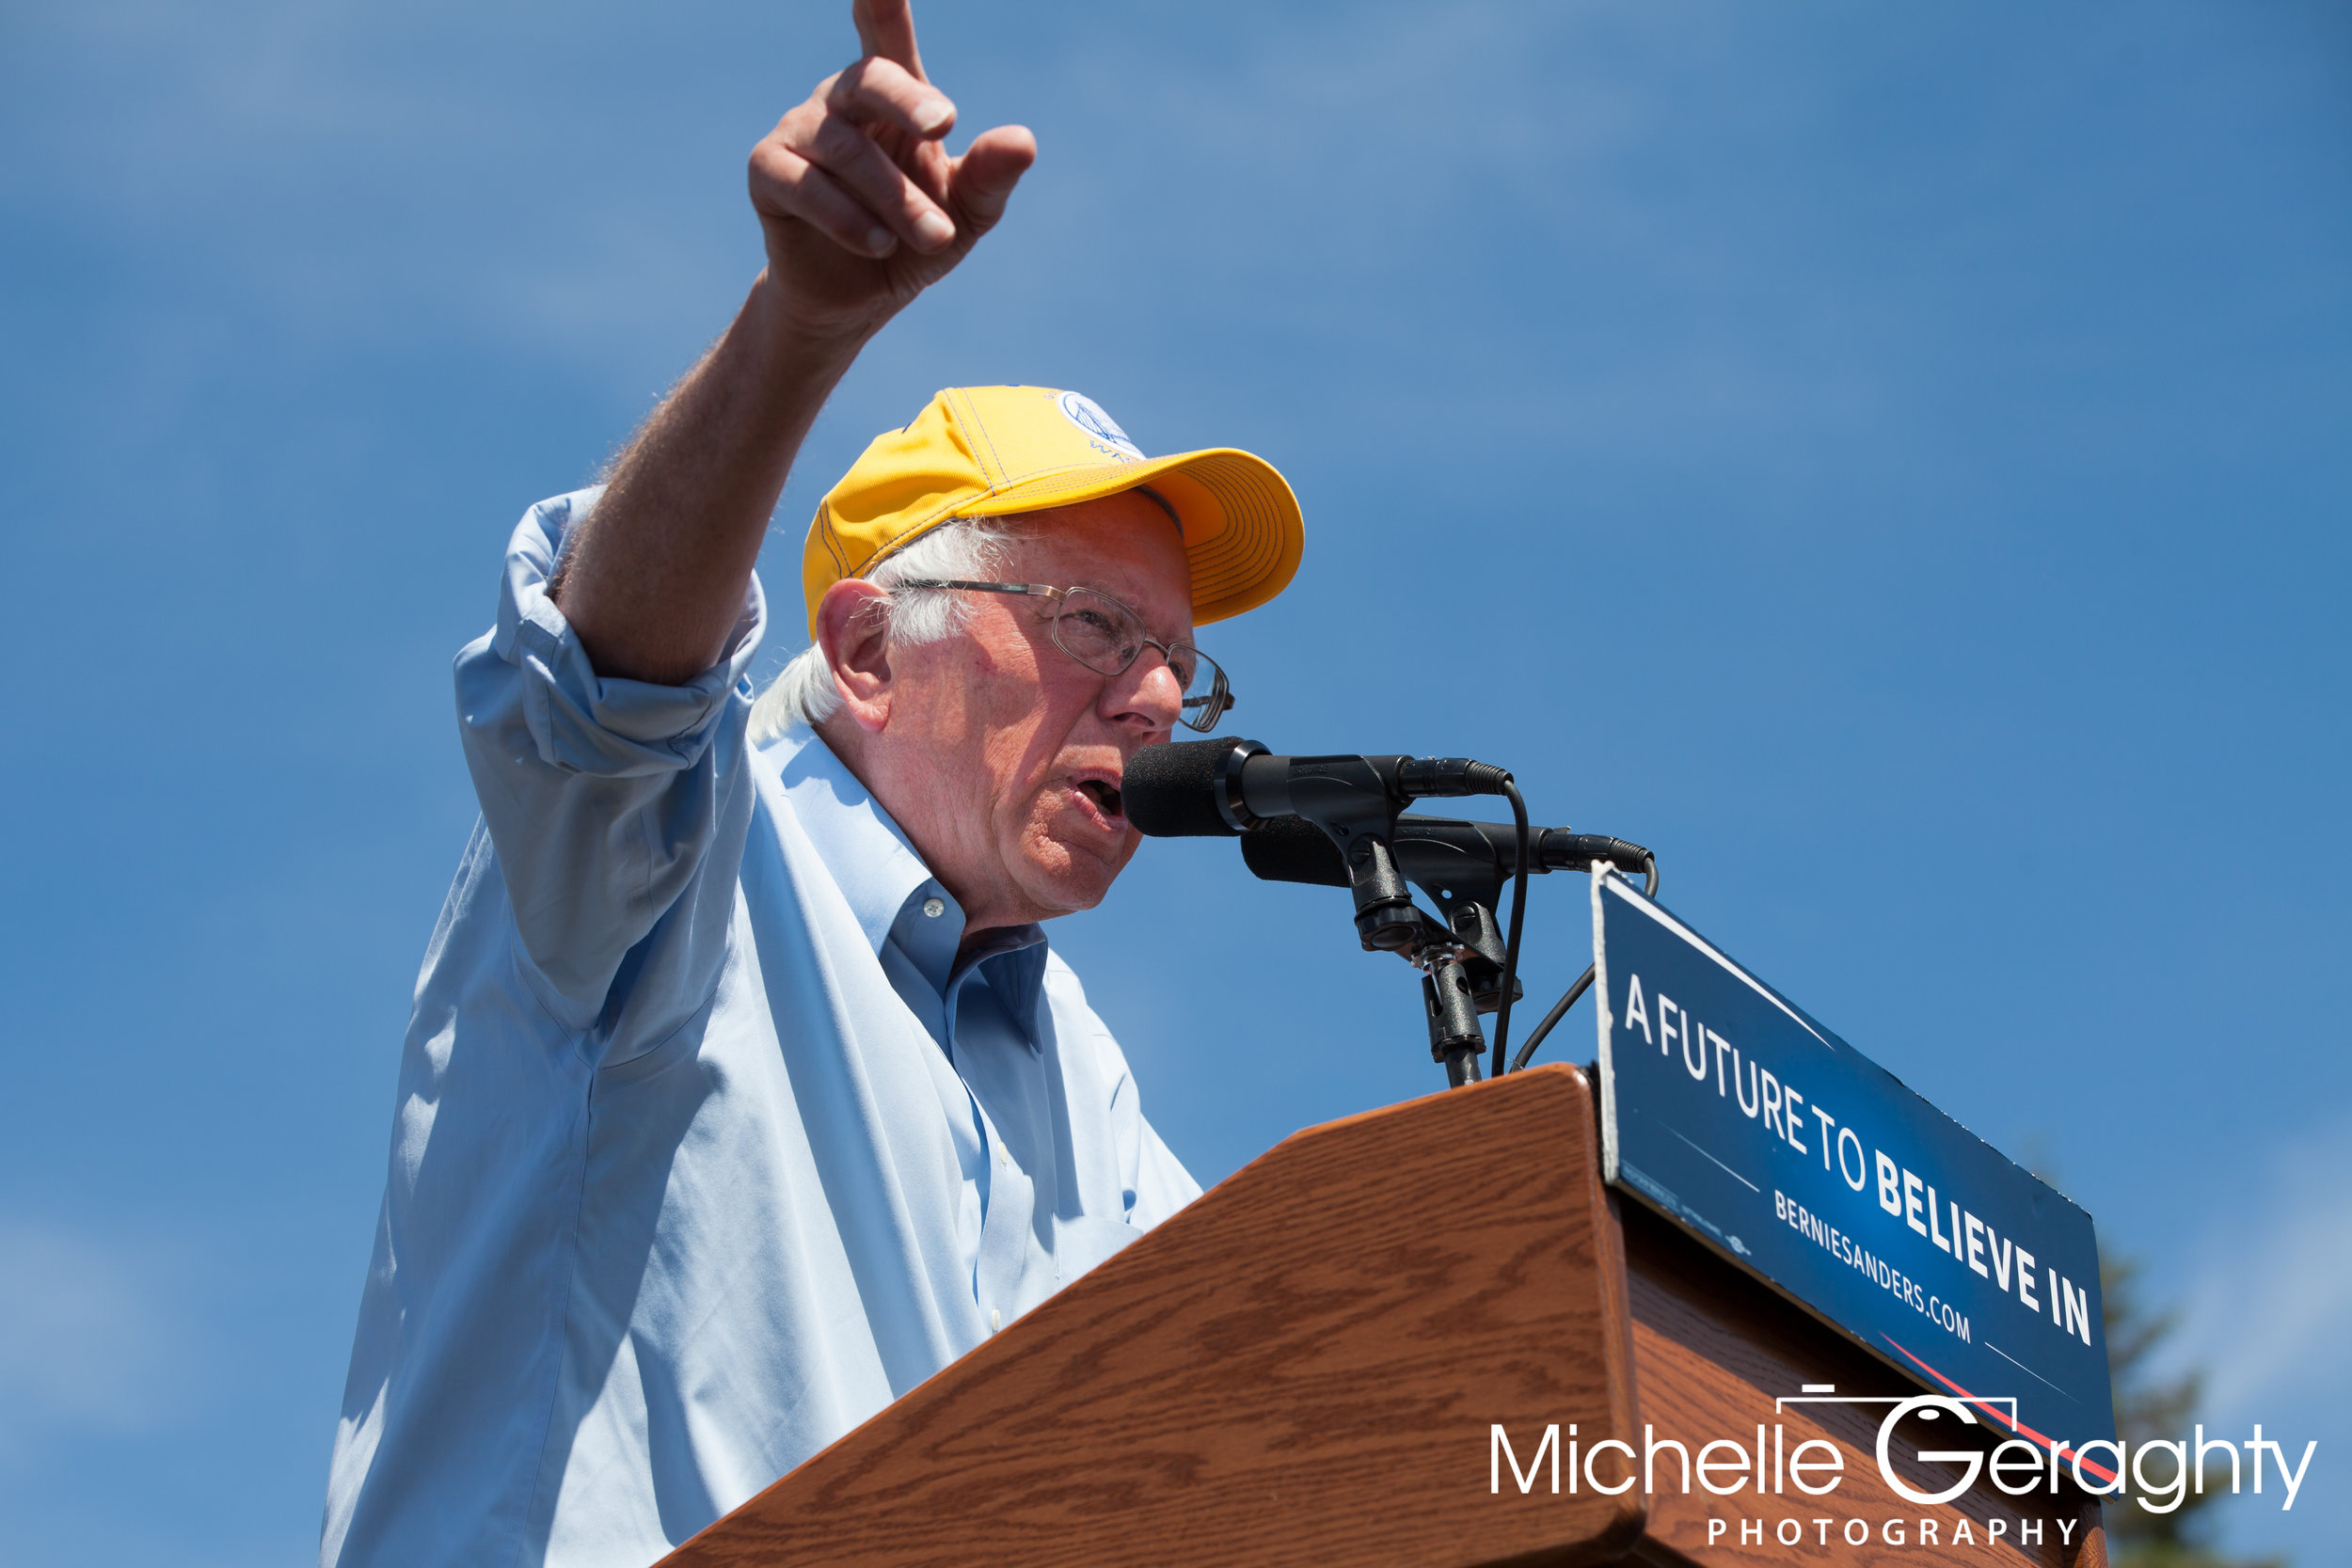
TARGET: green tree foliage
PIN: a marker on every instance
(2148, 1405)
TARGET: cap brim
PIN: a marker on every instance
(1243, 531)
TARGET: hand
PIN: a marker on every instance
(862, 207)
(863, 210)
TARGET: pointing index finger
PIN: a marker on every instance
(886, 28)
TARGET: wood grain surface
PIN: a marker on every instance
(1302, 1366)
(1712, 1350)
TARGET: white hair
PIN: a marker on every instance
(969, 547)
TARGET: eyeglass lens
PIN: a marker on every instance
(1106, 636)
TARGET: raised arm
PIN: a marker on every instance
(862, 210)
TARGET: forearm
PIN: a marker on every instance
(655, 581)
(862, 210)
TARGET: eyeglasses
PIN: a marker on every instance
(1107, 638)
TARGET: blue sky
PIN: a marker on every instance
(1892, 460)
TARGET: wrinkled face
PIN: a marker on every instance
(1006, 753)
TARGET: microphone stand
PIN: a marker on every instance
(1461, 962)
(1455, 1040)
(1462, 965)
(1388, 921)
(1467, 965)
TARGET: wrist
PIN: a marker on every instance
(807, 338)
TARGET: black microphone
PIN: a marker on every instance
(1172, 790)
(1293, 849)
(1217, 788)
(1431, 851)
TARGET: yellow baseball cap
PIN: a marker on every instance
(985, 452)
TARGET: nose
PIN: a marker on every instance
(1148, 694)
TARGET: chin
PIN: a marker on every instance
(1067, 878)
(1066, 890)
(1068, 864)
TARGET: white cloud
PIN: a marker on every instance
(354, 176)
(2270, 1313)
(2268, 1319)
(88, 1341)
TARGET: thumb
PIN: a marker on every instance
(981, 181)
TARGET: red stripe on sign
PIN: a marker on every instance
(2092, 1465)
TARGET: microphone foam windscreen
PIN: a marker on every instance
(1293, 849)
(1170, 790)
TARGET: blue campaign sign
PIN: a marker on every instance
(1806, 1162)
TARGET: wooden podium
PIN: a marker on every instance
(1303, 1367)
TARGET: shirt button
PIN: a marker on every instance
(1002, 1157)
(995, 1321)
(934, 906)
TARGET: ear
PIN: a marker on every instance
(851, 628)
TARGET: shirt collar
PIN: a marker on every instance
(871, 859)
(887, 886)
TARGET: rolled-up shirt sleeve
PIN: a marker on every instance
(603, 797)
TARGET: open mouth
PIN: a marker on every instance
(1104, 794)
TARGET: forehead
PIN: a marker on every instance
(1124, 545)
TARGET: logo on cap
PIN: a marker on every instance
(1087, 414)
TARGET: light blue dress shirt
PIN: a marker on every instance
(705, 1148)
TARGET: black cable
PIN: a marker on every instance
(1518, 919)
(1559, 1010)
(1584, 981)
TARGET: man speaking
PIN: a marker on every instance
(743, 1093)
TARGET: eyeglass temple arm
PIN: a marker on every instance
(1035, 590)
(1038, 590)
